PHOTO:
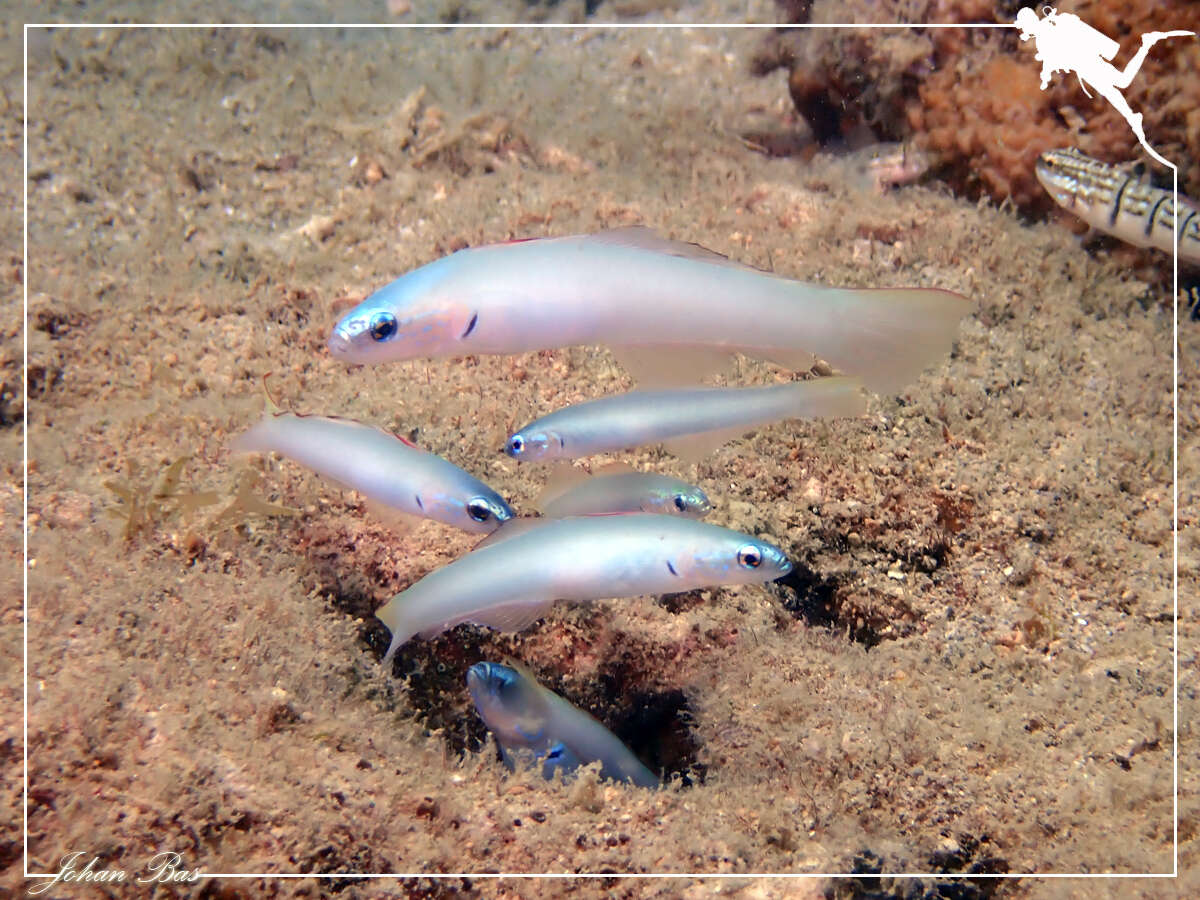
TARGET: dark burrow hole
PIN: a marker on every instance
(649, 719)
(813, 599)
(974, 856)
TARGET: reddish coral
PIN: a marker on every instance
(973, 95)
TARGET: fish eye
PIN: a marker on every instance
(749, 557)
(516, 445)
(383, 326)
(504, 681)
(680, 503)
(479, 510)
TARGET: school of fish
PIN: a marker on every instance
(671, 312)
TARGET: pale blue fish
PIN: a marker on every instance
(621, 492)
(630, 289)
(529, 719)
(381, 466)
(513, 578)
(705, 417)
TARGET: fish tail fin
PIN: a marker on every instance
(886, 336)
(389, 614)
(256, 438)
(272, 403)
(253, 440)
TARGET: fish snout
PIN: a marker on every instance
(340, 345)
(477, 680)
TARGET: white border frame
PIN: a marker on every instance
(479, 876)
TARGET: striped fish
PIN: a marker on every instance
(1120, 202)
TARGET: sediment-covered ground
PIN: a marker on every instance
(970, 670)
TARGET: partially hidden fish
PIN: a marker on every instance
(529, 719)
(381, 466)
(624, 491)
(509, 582)
(679, 416)
(1120, 202)
(644, 296)
(882, 166)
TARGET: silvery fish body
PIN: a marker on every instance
(382, 467)
(1120, 203)
(629, 288)
(648, 417)
(526, 717)
(509, 582)
(625, 492)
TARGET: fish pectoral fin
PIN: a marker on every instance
(513, 616)
(667, 366)
(561, 758)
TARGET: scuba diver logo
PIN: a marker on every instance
(1065, 43)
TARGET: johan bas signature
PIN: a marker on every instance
(163, 868)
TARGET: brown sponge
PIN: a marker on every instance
(972, 95)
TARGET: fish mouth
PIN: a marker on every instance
(340, 345)
(477, 677)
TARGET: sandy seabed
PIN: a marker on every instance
(970, 671)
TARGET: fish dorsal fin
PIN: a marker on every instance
(521, 669)
(510, 529)
(563, 477)
(613, 468)
(657, 366)
(644, 238)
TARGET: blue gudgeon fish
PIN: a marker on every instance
(514, 577)
(632, 290)
(528, 719)
(381, 466)
(681, 416)
(1120, 202)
